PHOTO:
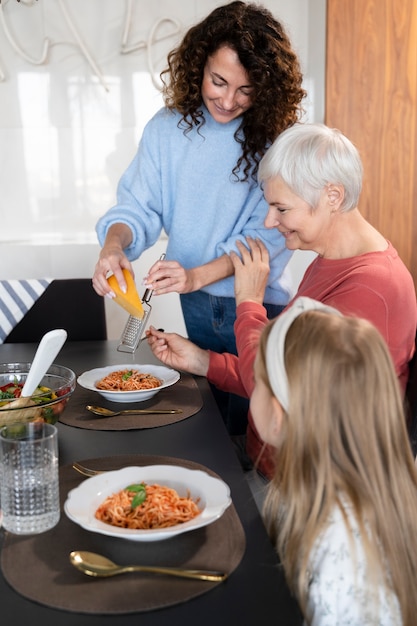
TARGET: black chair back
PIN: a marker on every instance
(411, 402)
(71, 304)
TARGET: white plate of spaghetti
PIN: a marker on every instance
(148, 503)
(128, 383)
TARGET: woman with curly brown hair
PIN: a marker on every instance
(231, 87)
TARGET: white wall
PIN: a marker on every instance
(70, 122)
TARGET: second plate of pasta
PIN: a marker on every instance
(175, 489)
(128, 383)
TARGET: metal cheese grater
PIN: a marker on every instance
(135, 326)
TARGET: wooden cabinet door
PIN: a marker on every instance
(371, 96)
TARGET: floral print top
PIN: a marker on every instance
(339, 594)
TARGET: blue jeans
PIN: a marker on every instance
(209, 322)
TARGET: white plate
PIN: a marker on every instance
(83, 501)
(89, 379)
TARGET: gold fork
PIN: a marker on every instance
(86, 471)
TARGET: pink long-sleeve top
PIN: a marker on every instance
(376, 286)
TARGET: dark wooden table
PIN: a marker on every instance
(256, 591)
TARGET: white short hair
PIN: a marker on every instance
(308, 157)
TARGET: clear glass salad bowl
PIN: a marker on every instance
(47, 402)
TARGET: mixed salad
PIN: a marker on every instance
(42, 395)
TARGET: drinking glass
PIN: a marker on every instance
(29, 477)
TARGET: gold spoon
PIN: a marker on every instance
(94, 564)
(99, 410)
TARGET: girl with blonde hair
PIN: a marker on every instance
(342, 505)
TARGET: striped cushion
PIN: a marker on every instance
(16, 298)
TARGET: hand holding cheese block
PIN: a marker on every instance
(129, 300)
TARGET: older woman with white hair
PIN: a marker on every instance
(312, 178)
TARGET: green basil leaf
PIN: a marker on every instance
(136, 487)
(127, 375)
(140, 490)
(138, 499)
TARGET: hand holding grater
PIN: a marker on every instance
(135, 326)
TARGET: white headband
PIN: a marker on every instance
(276, 344)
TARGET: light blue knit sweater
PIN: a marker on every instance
(182, 183)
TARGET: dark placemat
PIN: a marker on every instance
(184, 395)
(38, 566)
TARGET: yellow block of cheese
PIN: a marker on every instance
(129, 300)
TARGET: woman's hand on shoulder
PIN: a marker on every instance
(178, 352)
(251, 271)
